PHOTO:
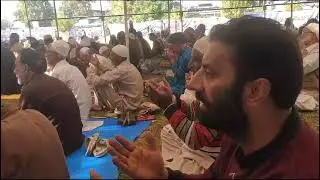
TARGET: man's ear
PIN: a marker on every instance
(257, 91)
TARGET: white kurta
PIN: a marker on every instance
(178, 156)
(306, 99)
(311, 60)
(125, 78)
(74, 79)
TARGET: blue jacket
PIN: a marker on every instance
(180, 68)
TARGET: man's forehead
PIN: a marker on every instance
(217, 53)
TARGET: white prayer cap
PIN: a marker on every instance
(84, 50)
(202, 44)
(313, 27)
(103, 49)
(121, 50)
(85, 42)
(61, 47)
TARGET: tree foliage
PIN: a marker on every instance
(64, 24)
(238, 12)
(69, 9)
(295, 7)
(36, 10)
(5, 24)
(76, 8)
(157, 10)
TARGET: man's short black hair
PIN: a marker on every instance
(152, 34)
(312, 20)
(33, 59)
(177, 38)
(14, 37)
(201, 26)
(264, 50)
(216, 28)
(139, 34)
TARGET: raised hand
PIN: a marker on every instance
(160, 93)
(138, 163)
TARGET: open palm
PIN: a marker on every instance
(138, 163)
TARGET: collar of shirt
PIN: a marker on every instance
(287, 133)
(59, 64)
(313, 47)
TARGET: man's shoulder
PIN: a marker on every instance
(186, 53)
(43, 82)
(300, 158)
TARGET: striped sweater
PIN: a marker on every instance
(194, 134)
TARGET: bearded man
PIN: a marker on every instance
(246, 95)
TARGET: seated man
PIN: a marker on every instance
(9, 83)
(200, 31)
(192, 159)
(14, 43)
(105, 51)
(82, 61)
(70, 75)
(103, 57)
(157, 46)
(179, 56)
(190, 35)
(309, 44)
(246, 95)
(198, 50)
(310, 53)
(122, 87)
(47, 40)
(134, 53)
(72, 54)
(154, 57)
(145, 47)
(30, 148)
(51, 97)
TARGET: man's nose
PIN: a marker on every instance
(195, 82)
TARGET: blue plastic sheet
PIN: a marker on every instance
(79, 165)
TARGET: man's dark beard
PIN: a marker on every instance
(226, 114)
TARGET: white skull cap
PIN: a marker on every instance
(61, 47)
(84, 50)
(121, 50)
(313, 27)
(103, 49)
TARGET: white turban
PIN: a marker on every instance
(121, 50)
(103, 49)
(85, 42)
(313, 27)
(84, 50)
(61, 47)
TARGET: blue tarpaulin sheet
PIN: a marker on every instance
(79, 165)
